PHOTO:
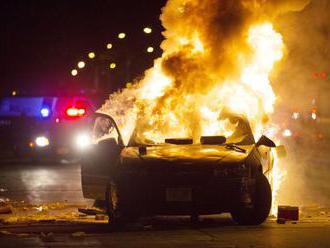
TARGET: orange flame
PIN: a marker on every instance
(185, 92)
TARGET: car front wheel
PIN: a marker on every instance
(259, 211)
(119, 213)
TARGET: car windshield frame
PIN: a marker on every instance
(242, 135)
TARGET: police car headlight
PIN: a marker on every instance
(42, 141)
(83, 140)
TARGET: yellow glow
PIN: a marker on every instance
(14, 93)
(74, 72)
(109, 46)
(197, 43)
(81, 64)
(113, 66)
(147, 30)
(276, 177)
(150, 49)
(91, 55)
(121, 36)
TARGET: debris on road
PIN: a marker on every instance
(5, 233)
(280, 221)
(78, 234)
(90, 211)
(101, 217)
(5, 209)
(3, 190)
(288, 213)
(49, 237)
(20, 212)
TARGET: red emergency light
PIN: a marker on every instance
(75, 112)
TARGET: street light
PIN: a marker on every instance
(81, 64)
(74, 72)
(113, 65)
(121, 35)
(150, 49)
(109, 46)
(91, 55)
(147, 30)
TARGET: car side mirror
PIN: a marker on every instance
(265, 141)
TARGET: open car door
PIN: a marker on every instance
(100, 162)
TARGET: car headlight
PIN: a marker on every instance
(42, 141)
(83, 140)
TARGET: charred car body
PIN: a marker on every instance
(178, 177)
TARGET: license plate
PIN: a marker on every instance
(178, 195)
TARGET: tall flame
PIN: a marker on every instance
(204, 70)
(162, 106)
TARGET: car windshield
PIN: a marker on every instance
(240, 135)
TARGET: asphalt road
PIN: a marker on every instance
(44, 183)
(40, 183)
(222, 235)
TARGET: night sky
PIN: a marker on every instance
(41, 41)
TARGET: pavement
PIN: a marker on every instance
(40, 183)
(175, 232)
(44, 199)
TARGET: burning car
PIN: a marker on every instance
(179, 176)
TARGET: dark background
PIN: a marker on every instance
(42, 41)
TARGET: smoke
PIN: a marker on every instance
(306, 35)
(206, 48)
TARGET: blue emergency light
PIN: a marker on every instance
(45, 112)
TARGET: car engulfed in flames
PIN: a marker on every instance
(213, 83)
(179, 176)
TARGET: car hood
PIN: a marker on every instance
(187, 154)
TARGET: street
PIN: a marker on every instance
(176, 234)
(39, 185)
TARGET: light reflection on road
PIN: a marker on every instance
(41, 183)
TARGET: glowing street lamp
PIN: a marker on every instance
(109, 46)
(81, 64)
(150, 49)
(147, 30)
(91, 55)
(121, 36)
(74, 72)
(14, 93)
(112, 66)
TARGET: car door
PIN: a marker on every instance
(264, 148)
(99, 163)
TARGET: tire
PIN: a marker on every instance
(109, 206)
(118, 216)
(262, 202)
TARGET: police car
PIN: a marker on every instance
(39, 126)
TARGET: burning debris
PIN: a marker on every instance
(218, 57)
